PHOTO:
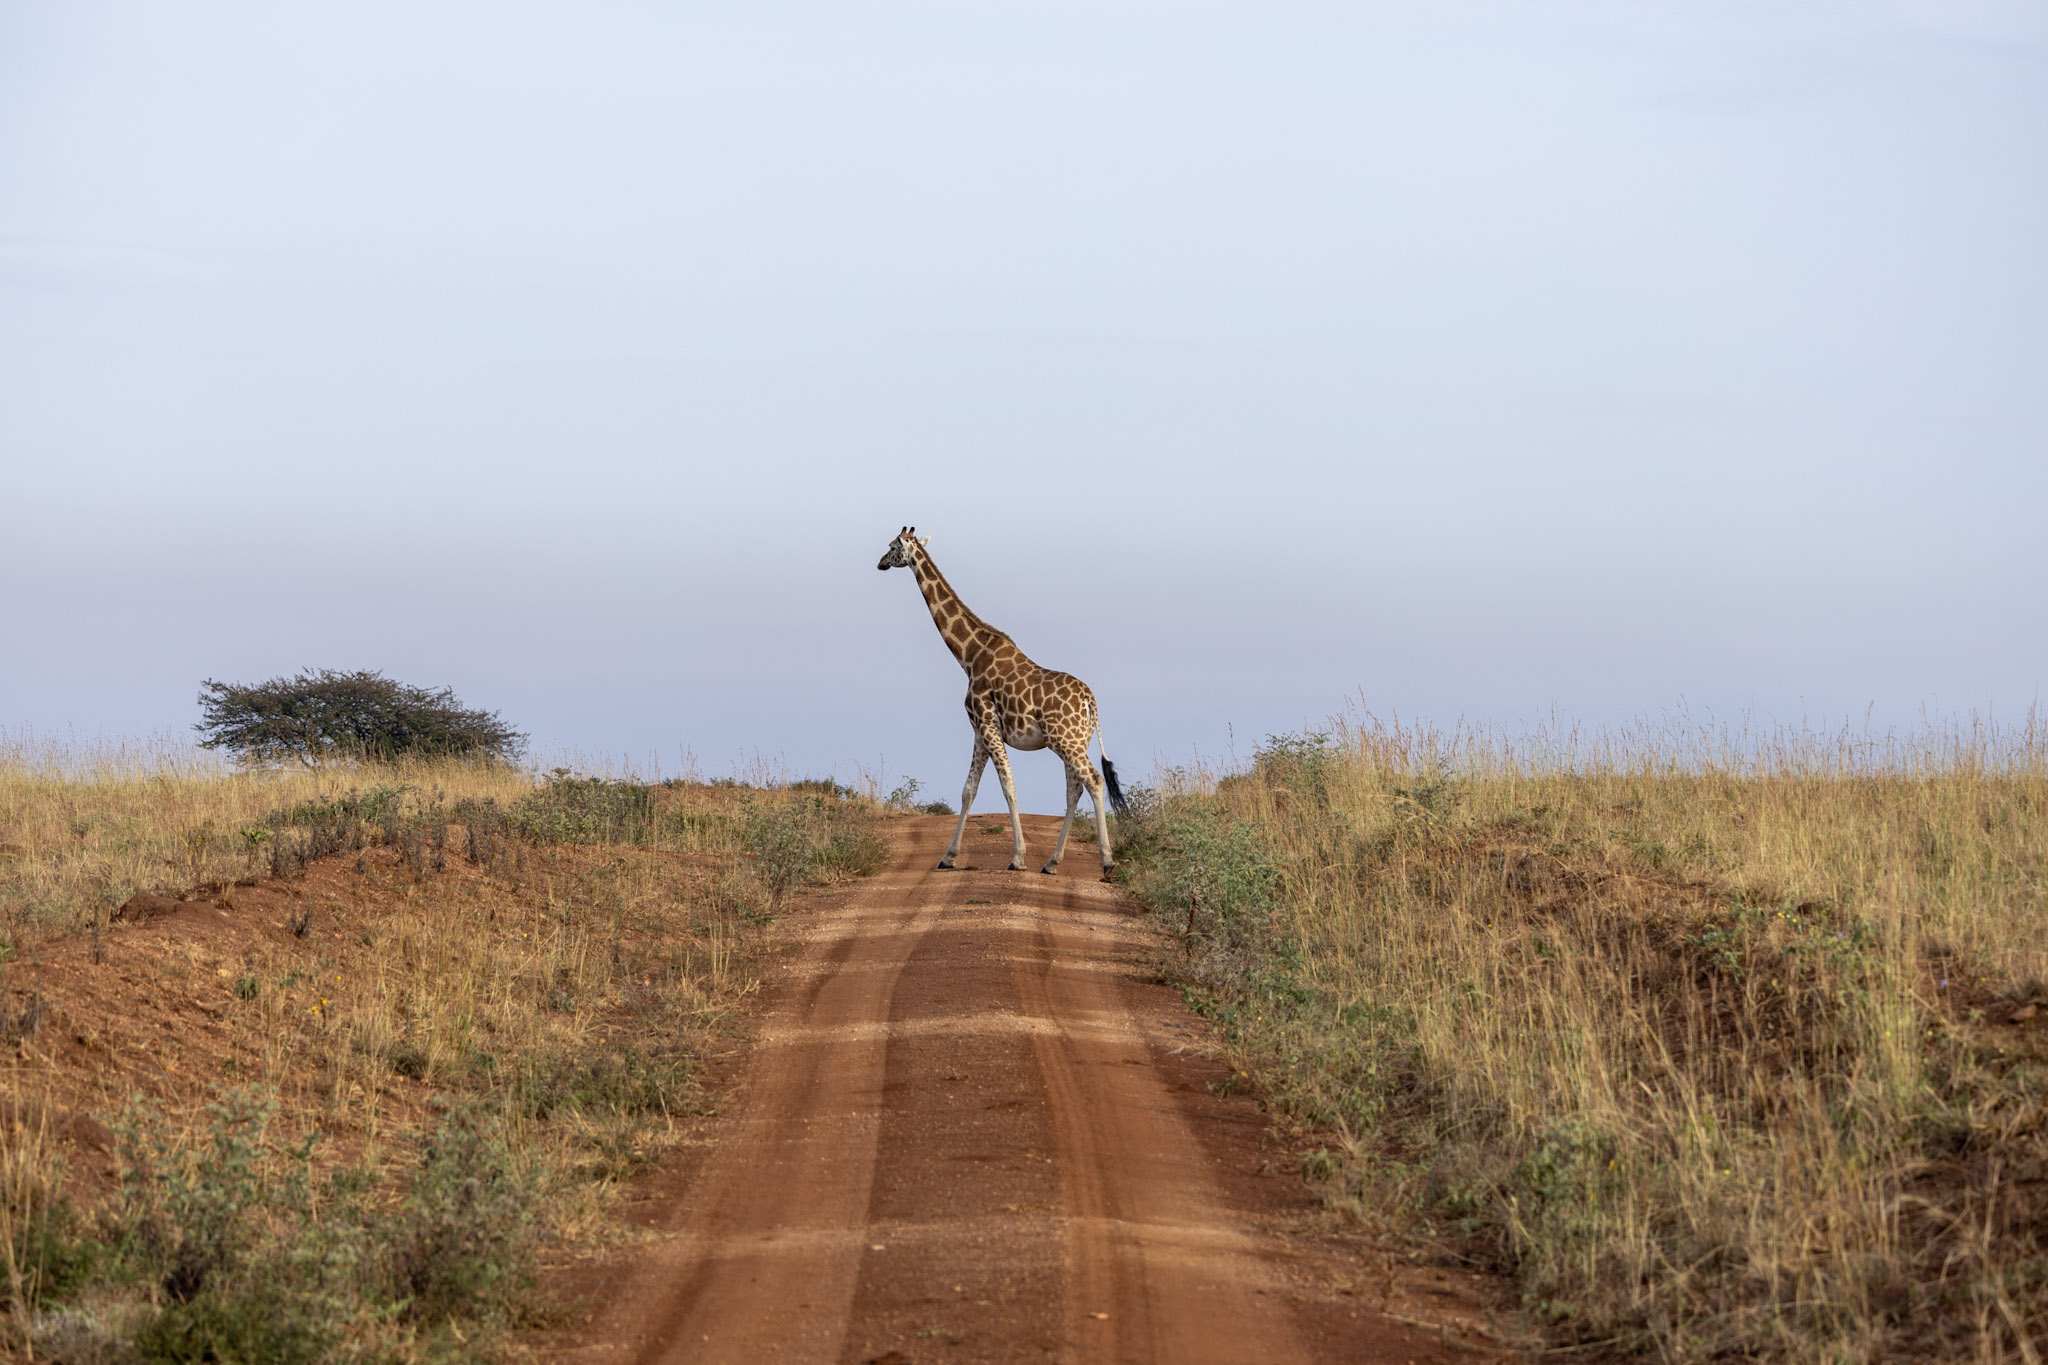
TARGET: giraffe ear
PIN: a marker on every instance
(924, 542)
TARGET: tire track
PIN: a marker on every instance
(1157, 1270)
(773, 1228)
(954, 1142)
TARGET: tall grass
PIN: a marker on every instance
(1703, 1036)
(85, 827)
(411, 1026)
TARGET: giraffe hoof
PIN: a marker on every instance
(945, 864)
(1014, 867)
(1050, 869)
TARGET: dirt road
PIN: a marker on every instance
(968, 1131)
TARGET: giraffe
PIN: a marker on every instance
(1012, 703)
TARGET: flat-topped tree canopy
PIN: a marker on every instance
(327, 713)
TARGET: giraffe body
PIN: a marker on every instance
(1012, 703)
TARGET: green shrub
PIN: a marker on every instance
(226, 1229)
(465, 1241)
(904, 798)
(1297, 764)
(623, 1082)
(1220, 872)
(52, 1253)
(804, 842)
(587, 810)
(244, 1327)
(781, 842)
(822, 786)
(853, 850)
(416, 830)
(321, 829)
(184, 1210)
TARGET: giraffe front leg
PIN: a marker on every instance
(1002, 759)
(974, 767)
(1059, 849)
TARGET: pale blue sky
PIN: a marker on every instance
(1480, 360)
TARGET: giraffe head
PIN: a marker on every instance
(902, 551)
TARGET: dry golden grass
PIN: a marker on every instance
(83, 828)
(553, 959)
(1705, 1042)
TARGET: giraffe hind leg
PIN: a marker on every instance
(1095, 794)
(974, 767)
(1059, 849)
(1002, 761)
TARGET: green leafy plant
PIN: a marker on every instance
(801, 842)
(573, 809)
(184, 1207)
(903, 797)
(466, 1239)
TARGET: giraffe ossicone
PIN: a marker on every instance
(1012, 703)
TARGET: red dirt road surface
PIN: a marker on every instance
(969, 1131)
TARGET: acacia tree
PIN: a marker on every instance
(331, 714)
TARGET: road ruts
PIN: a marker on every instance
(952, 1143)
(1156, 1267)
(771, 1231)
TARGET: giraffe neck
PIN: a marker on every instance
(966, 634)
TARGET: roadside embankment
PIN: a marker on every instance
(1717, 1051)
(325, 1065)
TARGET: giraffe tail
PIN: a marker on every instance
(1116, 792)
(1109, 782)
